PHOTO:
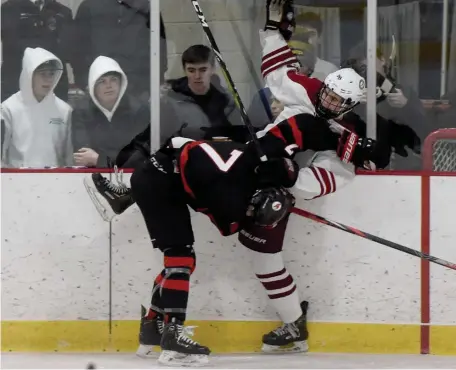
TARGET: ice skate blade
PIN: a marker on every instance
(148, 351)
(172, 358)
(296, 347)
(101, 205)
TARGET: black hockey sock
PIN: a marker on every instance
(174, 281)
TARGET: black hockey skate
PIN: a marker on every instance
(109, 199)
(150, 334)
(288, 337)
(178, 349)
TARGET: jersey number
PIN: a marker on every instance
(220, 163)
(290, 149)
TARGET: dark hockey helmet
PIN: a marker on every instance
(269, 206)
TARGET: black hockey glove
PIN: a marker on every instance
(277, 172)
(402, 136)
(280, 16)
(355, 149)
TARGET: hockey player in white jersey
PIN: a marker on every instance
(331, 100)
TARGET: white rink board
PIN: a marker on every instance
(51, 269)
(51, 265)
(443, 245)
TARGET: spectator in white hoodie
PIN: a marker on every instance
(36, 123)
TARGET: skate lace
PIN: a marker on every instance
(185, 332)
(121, 188)
(160, 326)
(287, 329)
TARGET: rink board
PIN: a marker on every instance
(222, 337)
(56, 275)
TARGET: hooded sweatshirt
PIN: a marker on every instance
(99, 67)
(107, 131)
(36, 133)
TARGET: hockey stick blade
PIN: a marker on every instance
(374, 238)
(100, 204)
(228, 78)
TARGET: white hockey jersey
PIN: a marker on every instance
(36, 134)
(323, 173)
(280, 69)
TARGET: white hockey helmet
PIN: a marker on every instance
(340, 93)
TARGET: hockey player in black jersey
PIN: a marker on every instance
(227, 182)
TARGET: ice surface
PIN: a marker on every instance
(257, 361)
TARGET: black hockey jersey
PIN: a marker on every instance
(220, 179)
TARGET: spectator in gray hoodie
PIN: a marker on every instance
(194, 102)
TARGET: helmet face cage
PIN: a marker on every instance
(331, 105)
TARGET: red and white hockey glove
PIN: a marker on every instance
(280, 16)
(355, 149)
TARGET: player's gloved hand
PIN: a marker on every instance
(355, 149)
(396, 98)
(280, 16)
(277, 172)
(402, 136)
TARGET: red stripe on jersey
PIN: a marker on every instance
(315, 173)
(333, 180)
(183, 285)
(277, 66)
(297, 134)
(277, 133)
(280, 63)
(330, 180)
(284, 294)
(326, 179)
(183, 159)
(274, 52)
(311, 85)
(270, 275)
(287, 62)
(179, 262)
(276, 59)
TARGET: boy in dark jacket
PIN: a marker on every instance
(110, 119)
(205, 108)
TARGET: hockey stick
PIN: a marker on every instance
(228, 78)
(374, 238)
